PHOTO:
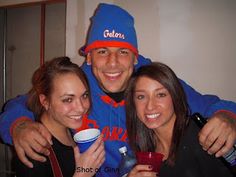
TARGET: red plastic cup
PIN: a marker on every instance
(150, 158)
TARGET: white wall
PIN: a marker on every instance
(195, 37)
(198, 40)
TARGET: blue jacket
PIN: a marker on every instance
(109, 116)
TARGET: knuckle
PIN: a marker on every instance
(219, 143)
(43, 143)
(35, 157)
(225, 126)
(21, 156)
(22, 143)
(211, 140)
(225, 150)
(29, 134)
(202, 137)
(38, 149)
(41, 149)
(24, 161)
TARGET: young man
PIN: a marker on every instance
(111, 56)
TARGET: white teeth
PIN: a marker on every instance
(152, 116)
(76, 117)
(113, 74)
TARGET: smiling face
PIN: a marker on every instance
(154, 104)
(112, 66)
(68, 102)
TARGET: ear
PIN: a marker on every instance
(88, 59)
(44, 101)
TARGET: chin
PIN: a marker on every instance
(152, 126)
(75, 125)
(113, 89)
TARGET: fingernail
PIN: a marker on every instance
(210, 153)
(47, 152)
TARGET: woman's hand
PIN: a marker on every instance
(142, 171)
(88, 163)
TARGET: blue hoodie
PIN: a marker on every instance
(109, 116)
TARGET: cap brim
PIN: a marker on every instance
(100, 44)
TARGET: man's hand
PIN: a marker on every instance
(219, 134)
(31, 138)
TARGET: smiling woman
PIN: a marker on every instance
(59, 97)
(156, 106)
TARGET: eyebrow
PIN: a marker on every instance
(72, 95)
(67, 94)
(100, 48)
(158, 89)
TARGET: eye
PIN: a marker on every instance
(124, 51)
(139, 97)
(67, 100)
(85, 95)
(102, 51)
(161, 94)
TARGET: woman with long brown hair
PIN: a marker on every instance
(158, 121)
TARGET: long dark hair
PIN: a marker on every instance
(142, 138)
(42, 81)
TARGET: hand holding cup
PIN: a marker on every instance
(153, 159)
(85, 138)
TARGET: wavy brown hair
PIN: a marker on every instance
(42, 81)
(142, 138)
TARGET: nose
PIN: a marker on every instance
(151, 104)
(112, 59)
(79, 106)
